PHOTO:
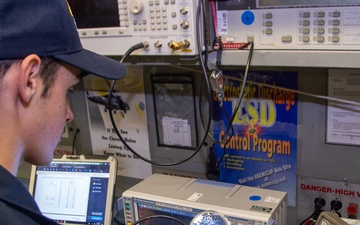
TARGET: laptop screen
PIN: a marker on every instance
(74, 192)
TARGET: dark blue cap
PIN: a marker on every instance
(48, 28)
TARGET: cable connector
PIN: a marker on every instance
(319, 205)
(212, 172)
(177, 45)
(217, 84)
(335, 206)
(146, 44)
(141, 45)
(217, 44)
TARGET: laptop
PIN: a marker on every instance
(75, 189)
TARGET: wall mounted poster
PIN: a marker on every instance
(261, 151)
(343, 118)
(129, 113)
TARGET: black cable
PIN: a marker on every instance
(74, 141)
(213, 166)
(206, 52)
(133, 48)
(137, 154)
(229, 126)
(319, 204)
(158, 216)
(213, 173)
(222, 157)
(305, 220)
(242, 89)
(224, 144)
(336, 205)
(118, 221)
(141, 45)
(202, 121)
(205, 77)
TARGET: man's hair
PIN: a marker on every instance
(48, 69)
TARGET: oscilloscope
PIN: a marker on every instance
(110, 27)
(184, 198)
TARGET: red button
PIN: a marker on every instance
(352, 209)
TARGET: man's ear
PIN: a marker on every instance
(28, 79)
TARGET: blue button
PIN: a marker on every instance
(96, 218)
(248, 17)
(255, 198)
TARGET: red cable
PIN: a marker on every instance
(309, 222)
(213, 10)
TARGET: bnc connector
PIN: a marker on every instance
(173, 45)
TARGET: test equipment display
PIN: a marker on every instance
(286, 24)
(110, 27)
(169, 26)
(185, 198)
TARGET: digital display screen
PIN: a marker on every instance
(95, 13)
(70, 192)
(236, 5)
(145, 210)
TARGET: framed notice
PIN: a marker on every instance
(343, 113)
(174, 105)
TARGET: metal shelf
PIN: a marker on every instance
(262, 58)
(293, 58)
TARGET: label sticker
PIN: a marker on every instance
(261, 209)
(272, 199)
(194, 197)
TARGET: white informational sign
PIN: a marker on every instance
(222, 22)
(343, 118)
(176, 131)
(129, 113)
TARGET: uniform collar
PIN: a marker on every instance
(14, 192)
